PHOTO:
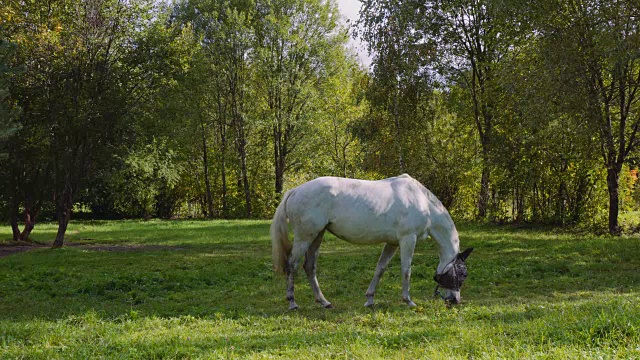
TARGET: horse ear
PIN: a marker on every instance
(463, 255)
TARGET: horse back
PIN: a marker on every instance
(361, 211)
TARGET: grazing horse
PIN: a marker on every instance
(398, 212)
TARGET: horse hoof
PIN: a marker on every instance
(368, 304)
(294, 307)
(328, 306)
(411, 304)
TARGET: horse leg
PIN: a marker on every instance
(310, 265)
(387, 253)
(298, 250)
(407, 245)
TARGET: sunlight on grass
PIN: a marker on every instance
(205, 289)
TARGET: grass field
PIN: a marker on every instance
(205, 289)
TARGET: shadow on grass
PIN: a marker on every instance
(156, 231)
(224, 268)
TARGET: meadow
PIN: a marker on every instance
(205, 289)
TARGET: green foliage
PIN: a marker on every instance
(525, 79)
(300, 48)
(262, 82)
(603, 63)
(145, 173)
(8, 109)
(502, 106)
(205, 289)
(8, 114)
(445, 150)
(335, 149)
(81, 91)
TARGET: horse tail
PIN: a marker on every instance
(280, 244)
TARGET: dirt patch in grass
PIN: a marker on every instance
(15, 248)
(136, 247)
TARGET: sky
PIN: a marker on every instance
(350, 9)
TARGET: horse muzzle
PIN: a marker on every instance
(452, 299)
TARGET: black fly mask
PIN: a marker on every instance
(453, 278)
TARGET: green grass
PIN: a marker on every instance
(204, 289)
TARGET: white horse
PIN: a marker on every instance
(398, 211)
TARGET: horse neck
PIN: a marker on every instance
(444, 232)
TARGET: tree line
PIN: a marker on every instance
(507, 111)
(532, 105)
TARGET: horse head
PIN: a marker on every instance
(452, 278)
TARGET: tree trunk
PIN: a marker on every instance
(63, 209)
(222, 130)
(614, 209)
(236, 80)
(15, 229)
(279, 178)
(396, 121)
(344, 161)
(205, 164)
(279, 153)
(30, 216)
(64, 215)
(580, 197)
(279, 175)
(562, 202)
(224, 178)
(241, 143)
(483, 197)
(245, 178)
(485, 127)
(519, 203)
(245, 184)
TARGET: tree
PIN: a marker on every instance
(460, 43)
(395, 37)
(343, 106)
(225, 36)
(295, 39)
(9, 112)
(235, 38)
(82, 82)
(8, 109)
(602, 41)
(146, 171)
(25, 174)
